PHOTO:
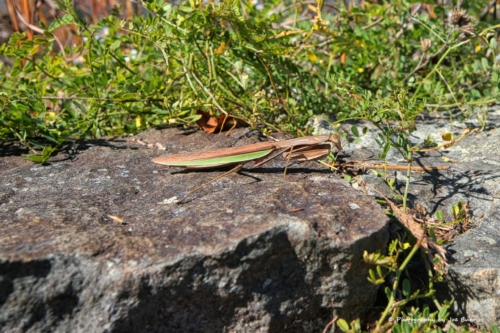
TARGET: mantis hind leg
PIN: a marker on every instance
(287, 162)
(235, 169)
(274, 154)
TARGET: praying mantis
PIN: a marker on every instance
(308, 148)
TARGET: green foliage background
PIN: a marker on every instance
(273, 66)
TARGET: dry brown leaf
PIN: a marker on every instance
(211, 124)
(116, 219)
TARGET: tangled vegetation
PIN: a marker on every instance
(272, 66)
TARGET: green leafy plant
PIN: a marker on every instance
(399, 314)
(273, 66)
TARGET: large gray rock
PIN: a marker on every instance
(251, 252)
(474, 277)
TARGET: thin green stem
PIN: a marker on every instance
(430, 30)
(454, 105)
(443, 57)
(447, 85)
(391, 308)
(44, 71)
(276, 92)
(205, 89)
(187, 76)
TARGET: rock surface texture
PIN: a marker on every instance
(473, 277)
(251, 252)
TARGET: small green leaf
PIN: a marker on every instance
(385, 150)
(455, 210)
(475, 93)
(65, 20)
(343, 325)
(80, 106)
(354, 131)
(372, 275)
(116, 44)
(447, 137)
(49, 138)
(494, 77)
(185, 9)
(393, 246)
(388, 292)
(443, 313)
(160, 111)
(22, 107)
(46, 153)
(34, 158)
(14, 72)
(406, 288)
(405, 327)
(493, 43)
(426, 311)
(432, 234)
(485, 64)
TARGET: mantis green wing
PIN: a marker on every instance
(214, 161)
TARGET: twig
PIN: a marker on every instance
(452, 142)
(366, 27)
(362, 165)
(28, 13)
(332, 322)
(12, 13)
(103, 99)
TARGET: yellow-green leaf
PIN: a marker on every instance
(447, 136)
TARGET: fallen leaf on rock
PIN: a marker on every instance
(211, 124)
(116, 219)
